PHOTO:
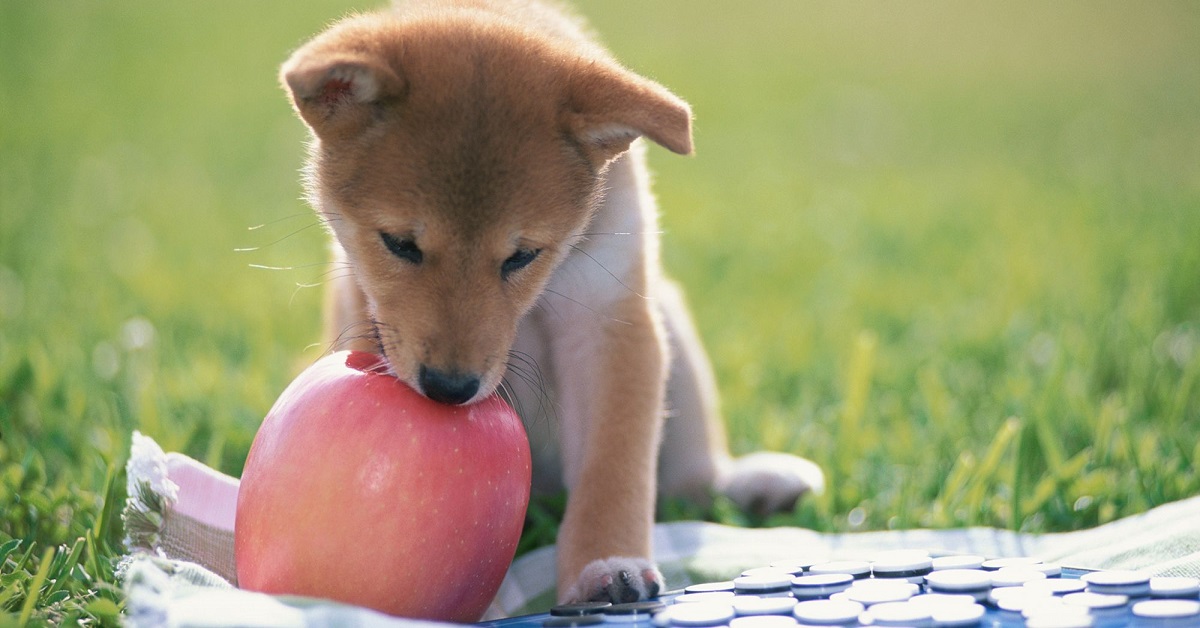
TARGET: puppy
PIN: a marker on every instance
(478, 165)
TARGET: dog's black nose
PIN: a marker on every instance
(448, 387)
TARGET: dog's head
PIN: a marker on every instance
(456, 162)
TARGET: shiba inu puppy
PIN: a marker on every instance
(478, 164)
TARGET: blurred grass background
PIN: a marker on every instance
(950, 252)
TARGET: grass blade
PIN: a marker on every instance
(858, 386)
(954, 488)
(7, 548)
(100, 528)
(63, 569)
(986, 473)
(32, 593)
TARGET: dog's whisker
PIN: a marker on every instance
(588, 308)
(250, 249)
(360, 330)
(328, 220)
(537, 387)
(279, 220)
(344, 270)
(321, 280)
(528, 375)
(385, 347)
(292, 299)
(610, 273)
(294, 267)
(509, 393)
(524, 360)
(506, 393)
(616, 233)
(527, 369)
(338, 267)
(515, 399)
(324, 278)
(544, 305)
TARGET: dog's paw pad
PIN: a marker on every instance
(769, 482)
(617, 580)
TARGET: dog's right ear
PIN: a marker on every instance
(609, 107)
(337, 92)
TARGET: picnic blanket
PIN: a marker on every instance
(180, 567)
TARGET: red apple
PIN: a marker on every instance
(360, 490)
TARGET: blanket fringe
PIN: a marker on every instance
(149, 494)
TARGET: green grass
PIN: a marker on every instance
(949, 253)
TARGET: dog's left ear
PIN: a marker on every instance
(336, 81)
(608, 107)
(335, 93)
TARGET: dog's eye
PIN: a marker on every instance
(517, 261)
(404, 248)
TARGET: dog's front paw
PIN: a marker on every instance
(617, 580)
(767, 482)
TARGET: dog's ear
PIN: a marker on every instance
(608, 107)
(335, 91)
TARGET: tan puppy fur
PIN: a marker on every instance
(493, 226)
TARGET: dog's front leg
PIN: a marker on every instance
(612, 376)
